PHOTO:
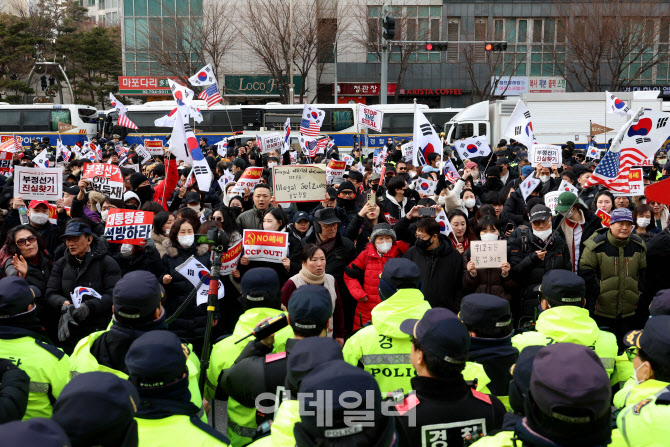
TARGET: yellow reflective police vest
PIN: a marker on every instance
(82, 361)
(47, 366)
(645, 423)
(634, 393)
(571, 324)
(281, 434)
(501, 439)
(178, 431)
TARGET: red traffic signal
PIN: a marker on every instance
(488, 47)
(495, 46)
(429, 47)
(436, 46)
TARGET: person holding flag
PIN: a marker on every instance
(426, 140)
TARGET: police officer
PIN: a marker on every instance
(564, 319)
(649, 350)
(137, 309)
(489, 321)
(14, 391)
(24, 342)
(444, 410)
(98, 409)
(382, 349)
(354, 404)
(157, 365)
(307, 355)
(36, 432)
(257, 370)
(261, 298)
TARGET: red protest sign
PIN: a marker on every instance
(104, 178)
(128, 226)
(6, 162)
(261, 245)
(604, 217)
(249, 179)
(230, 259)
(154, 147)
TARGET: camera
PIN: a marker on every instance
(215, 237)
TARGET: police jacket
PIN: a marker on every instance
(13, 395)
(448, 410)
(96, 270)
(281, 434)
(644, 423)
(496, 355)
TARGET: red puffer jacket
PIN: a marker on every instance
(366, 269)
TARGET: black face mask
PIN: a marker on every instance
(494, 183)
(145, 193)
(374, 187)
(423, 244)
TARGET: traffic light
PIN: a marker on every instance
(436, 46)
(388, 28)
(495, 46)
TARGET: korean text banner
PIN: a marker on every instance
(269, 246)
(249, 179)
(128, 226)
(38, 183)
(154, 147)
(271, 142)
(5, 162)
(230, 259)
(104, 178)
(299, 183)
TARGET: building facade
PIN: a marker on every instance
(103, 11)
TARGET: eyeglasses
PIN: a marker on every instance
(21, 242)
(347, 193)
(219, 219)
(631, 353)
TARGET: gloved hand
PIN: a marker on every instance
(6, 365)
(65, 319)
(81, 312)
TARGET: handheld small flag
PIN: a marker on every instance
(204, 76)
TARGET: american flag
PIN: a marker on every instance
(312, 119)
(190, 181)
(122, 151)
(124, 121)
(211, 95)
(612, 171)
(316, 146)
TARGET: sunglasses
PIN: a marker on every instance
(219, 219)
(631, 352)
(21, 242)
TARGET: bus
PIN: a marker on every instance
(37, 121)
(221, 121)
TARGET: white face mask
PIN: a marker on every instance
(553, 176)
(638, 381)
(662, 161)
(272, 165)
(412, 174)
(544, 178)
(384, 247)
(167, 231)
(186, 241)
(104, 214)
(542, 235)
(488, 237)
(643, 222)
(195, 208)
(470, 203)
(39, 218)
(126, 250)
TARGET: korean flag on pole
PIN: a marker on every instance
(204, 76)
(183, 96)
(426, 140)
(287, 136)
(615, 105)
(42, 159)
(445, 226)
(520, 126)
(194, 271)
(566, 186)
(529, 184)
(473, 147)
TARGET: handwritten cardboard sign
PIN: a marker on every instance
(299, 183)
(488, 254)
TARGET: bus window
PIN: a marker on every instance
(59, 116)
(276, 121)
(342, 119)
(88, 116)
(482, 129)
(145, 120)
(222, 120)
(36, 120)
(10, 120)
(464, 130)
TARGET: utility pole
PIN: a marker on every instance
(335, 66)
(384, 61)
(291, 86)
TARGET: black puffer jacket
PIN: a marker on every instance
(13, 394)
(190, 324)
(441, 274)
(37, 275)
(98, 271)
(658, 259)
(146, 259)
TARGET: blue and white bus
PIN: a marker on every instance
(37, 121)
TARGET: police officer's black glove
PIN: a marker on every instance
(81, 312)
(65, 319)
(6, 365)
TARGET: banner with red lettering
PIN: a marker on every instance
(335, 171)
(154, 147)
(128, 226)
(249, 179)
(104, 178)
(230, 259)
(6, 162)
(370, 118)
(269, 246)
(604, 217)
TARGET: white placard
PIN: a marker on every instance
(546, 154)
(551, 200)
(271, 142)
(488, 254)
(370, 117)
(38, 183)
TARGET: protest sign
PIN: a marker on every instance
(154, 147)
(604, 217)
(636, 183)
(136, 168)
(143, 153)
(551, 200)
(546, 154)
(128, 226)
(298, 183)
(6, 162)
(249, 179)
(335, 171)
(370, 118)
(407, 151)
(269, 246)
(38, 183)
(271, 142)
(194, 271)
(488, 254)
(104, 178)
(230, 259)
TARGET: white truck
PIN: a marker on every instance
(557, 117)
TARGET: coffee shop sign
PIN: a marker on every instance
(256, 85)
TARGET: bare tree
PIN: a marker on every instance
(610, 44)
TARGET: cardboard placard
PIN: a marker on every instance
(299, 183)
(230, 259)
(38, 183)
(488, 254)
(546, 154)
(268, 246)
(128, 226)
(370, 117)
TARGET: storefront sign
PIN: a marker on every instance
(365, 88)
(144, 85)
(246, 85)
(517, 85)
(432, 92)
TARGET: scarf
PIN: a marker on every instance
(311, 278)
(326, 246)
(568, 226)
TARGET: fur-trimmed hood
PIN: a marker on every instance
(173, 252)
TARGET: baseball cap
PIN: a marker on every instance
(301, 215)
(156, 358)
(502, 161)
(40, 432)
(470, 164)
(621, 215)
(566, 200)
(192, 197)
(527, 171)
(260, 288)
(375, 176)
(16, 295)
(332, 192)
(354, 175)
(307, 354)
(36, 203)
(310, 307)
(485, 311)
(72, 190)
(442, 333)
(136, 297)
(563, 287)
(326, 216)
(654, 339)
(77, 229)
(660, 305)
(540, 212)
(98, 408)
